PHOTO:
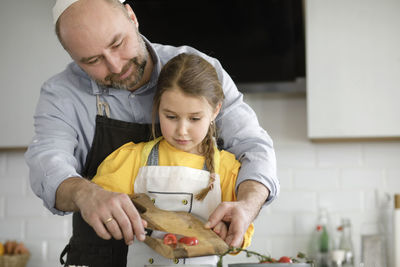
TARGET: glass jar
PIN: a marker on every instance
(321, 240)
(346, 243)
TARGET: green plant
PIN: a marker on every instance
(301, 257)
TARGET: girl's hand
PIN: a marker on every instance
(221, 229)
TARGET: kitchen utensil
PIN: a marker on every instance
(160, 234)
(181, 223)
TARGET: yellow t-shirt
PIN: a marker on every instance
(118, 171)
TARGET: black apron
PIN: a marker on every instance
(85, 247)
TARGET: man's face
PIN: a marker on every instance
(106, 44)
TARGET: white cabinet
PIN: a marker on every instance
(353, 68)
(29, 55)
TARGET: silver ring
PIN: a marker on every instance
(109, 220)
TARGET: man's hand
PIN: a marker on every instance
(110, 214)
(221, 229)
(241, 213)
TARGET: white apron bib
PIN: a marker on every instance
(173, 188)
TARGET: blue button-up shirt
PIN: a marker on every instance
(65, 123)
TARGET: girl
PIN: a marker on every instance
(183, 170)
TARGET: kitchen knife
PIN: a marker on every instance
(160, 234)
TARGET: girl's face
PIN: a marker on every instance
(185, 119)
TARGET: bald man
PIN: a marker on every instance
(102, 100)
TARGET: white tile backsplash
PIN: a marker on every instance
(393, 180)
(304, 223)
(350, 179)
(24, 207)
(16, 166)
(53, 228)
(341, 200)
(386, 154)
(11, 186)
(275, 224)
(39, 251)
(285, 178)
(2, 207)
(339, 155)
(365, 178)
(11, 228)
(295, 201)
(296, 156)
(315, 179)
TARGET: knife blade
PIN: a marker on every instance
(160, 234)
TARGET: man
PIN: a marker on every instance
(114, 76)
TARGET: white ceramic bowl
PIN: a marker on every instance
(175, 265)
(271, 265)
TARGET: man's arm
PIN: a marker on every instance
(97, 206)
(252, 194)
(50, 156)
(66, 193)
(54, 176)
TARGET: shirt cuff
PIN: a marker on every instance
(51, 187)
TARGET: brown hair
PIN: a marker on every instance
(194, 76)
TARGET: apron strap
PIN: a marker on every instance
(64, 252)
(152, 159)
(147, 150)
(102, 107)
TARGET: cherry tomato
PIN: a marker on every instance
(269, 260)
(190, 241)
(285, 259)
(169, 239)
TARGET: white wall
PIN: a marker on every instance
(23, 217)
(30, 54)
(349, 178)
(346, 177)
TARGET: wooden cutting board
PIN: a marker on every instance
(178, 222)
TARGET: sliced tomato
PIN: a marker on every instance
(169, 239)
(285, 259)
(190, 241)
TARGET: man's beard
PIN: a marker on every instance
(113, 80)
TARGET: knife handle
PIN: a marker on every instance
(148, 231)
